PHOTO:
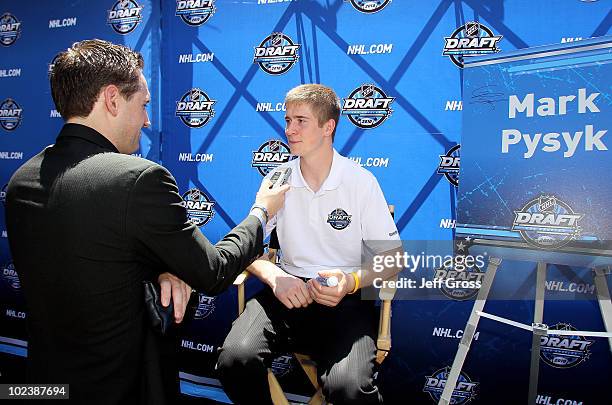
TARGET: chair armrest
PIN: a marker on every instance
(272, 255)
(239, 282)
(384, 326)
(383, 342)
(241, 279)
(387, 293)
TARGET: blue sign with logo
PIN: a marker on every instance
(535, 148)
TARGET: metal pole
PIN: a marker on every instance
(470, 329)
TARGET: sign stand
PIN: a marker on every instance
(538, 328)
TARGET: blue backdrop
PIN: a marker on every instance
(218, 72)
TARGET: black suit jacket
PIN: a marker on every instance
(86, 226)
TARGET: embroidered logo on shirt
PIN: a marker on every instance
(339, 219)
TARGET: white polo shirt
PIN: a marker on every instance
(325, 230)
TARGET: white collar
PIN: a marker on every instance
(333, 180)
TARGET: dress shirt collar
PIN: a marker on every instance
(87, 133)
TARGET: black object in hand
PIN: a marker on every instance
(161, 317)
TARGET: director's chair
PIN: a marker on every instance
(383, 342)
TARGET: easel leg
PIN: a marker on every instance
(538, 330)
(470, 329)
(603, 296)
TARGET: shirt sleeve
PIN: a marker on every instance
(157, 222)
(379, 231)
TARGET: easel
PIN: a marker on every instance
(538, 328)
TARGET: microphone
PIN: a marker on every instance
(331, 281)
(280, 177)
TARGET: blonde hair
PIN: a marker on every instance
(322, 100)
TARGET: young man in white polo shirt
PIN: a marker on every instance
(333, 207)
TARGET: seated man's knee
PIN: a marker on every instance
(344, 386)
(239, 355)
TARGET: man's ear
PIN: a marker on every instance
(329, 127)
(111, 96)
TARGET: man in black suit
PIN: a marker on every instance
(87, 223)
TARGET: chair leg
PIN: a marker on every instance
(309, 368)
(381, 355)
(241, 299)
(317, 398)
(276, 392)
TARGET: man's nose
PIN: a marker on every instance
(289, 128)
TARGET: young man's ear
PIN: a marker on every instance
(111, 97)
(330, 125)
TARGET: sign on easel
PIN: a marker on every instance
(536, 152)
(533, 180)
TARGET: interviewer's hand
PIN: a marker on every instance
(180, 291)
(331, 296)
(272, 199)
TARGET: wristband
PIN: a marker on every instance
(263, 209)
(356, 277)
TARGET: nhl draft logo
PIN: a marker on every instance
(460, 282)
(270, 155)
(563, 351)
(52, 64)
(339, 219)
(10, 276)
(367, 106)
(3, 194)
(10, 114)
(276, 54)
(369, 6)
(471, 39)
(547, 222)
(464, 392)
(282, 365)
(205, 306)
(125, 16)
(195, 108)
(195, 12)
(10, 29)
(449, 165)
(199, 207)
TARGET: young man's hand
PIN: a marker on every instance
(331, 296)
(291, 291)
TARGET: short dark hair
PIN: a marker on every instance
(79, 73)
(322, 100)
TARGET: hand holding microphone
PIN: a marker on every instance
(271, 194)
